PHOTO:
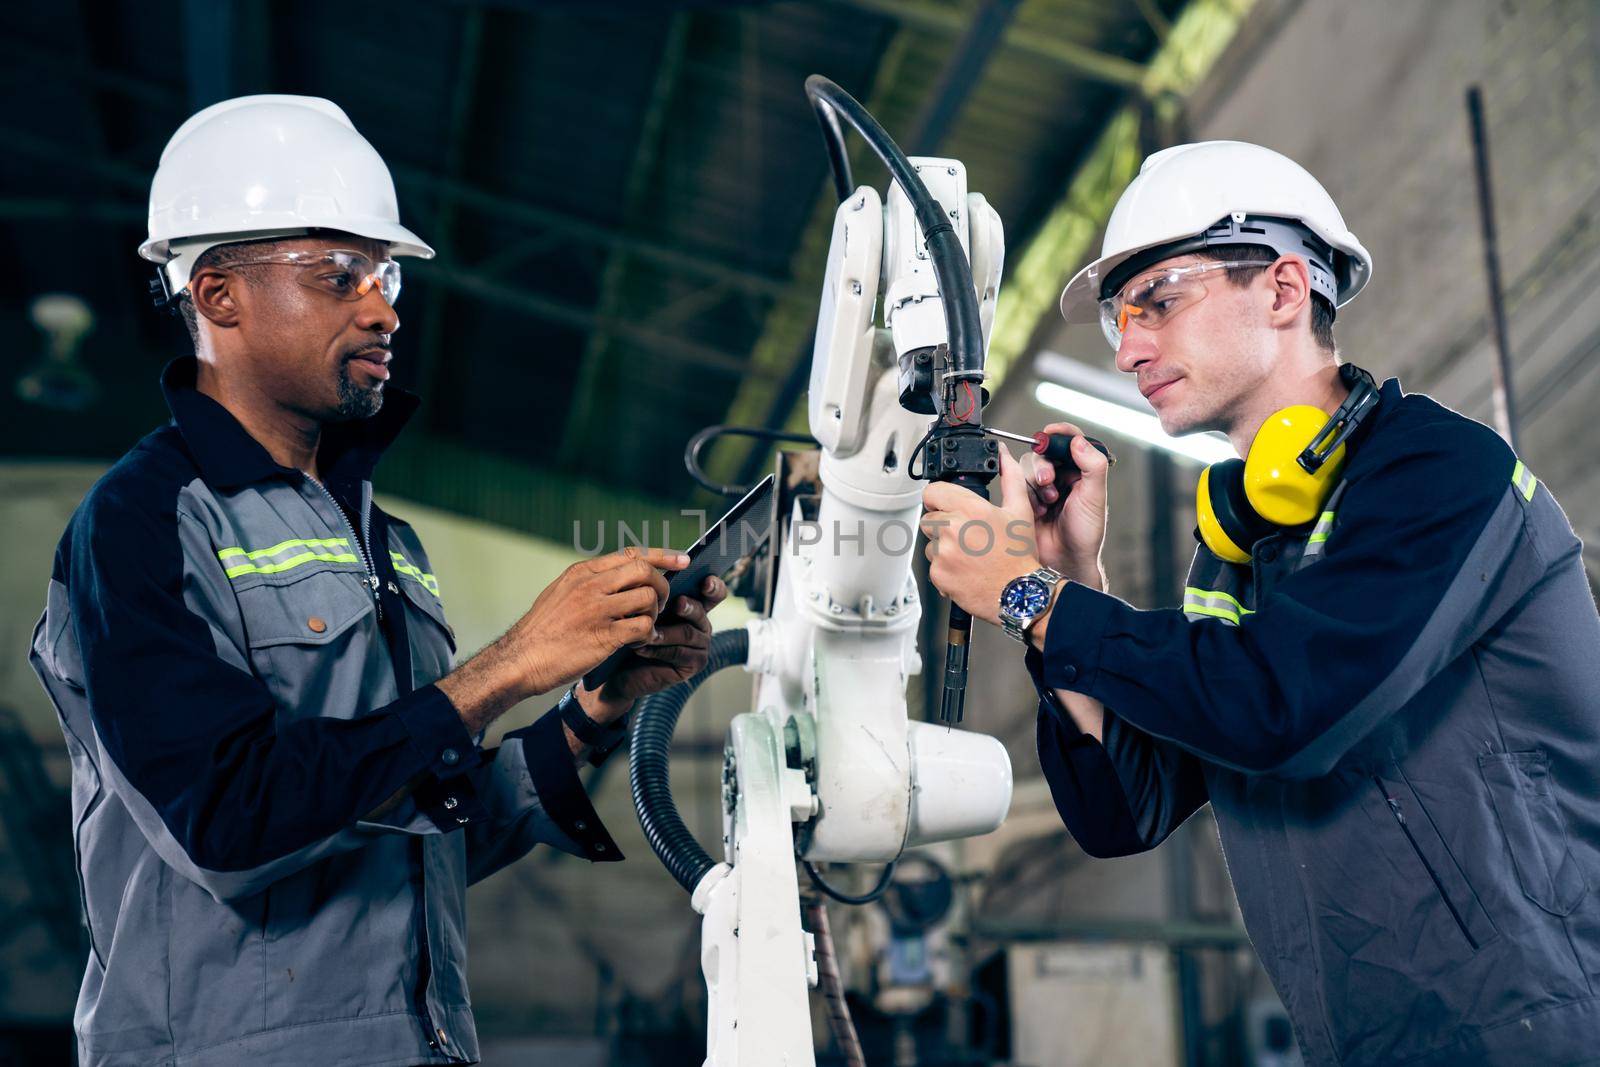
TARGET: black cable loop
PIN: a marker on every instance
(917, 452)
(868, 897)
(691, 452)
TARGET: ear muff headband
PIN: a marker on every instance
(1362, 399)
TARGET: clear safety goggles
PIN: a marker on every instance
(1152, 299)
(339, 272)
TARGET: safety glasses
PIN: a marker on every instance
(339, 272)
(1152, 299)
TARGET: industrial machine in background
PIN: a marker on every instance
(828, 767)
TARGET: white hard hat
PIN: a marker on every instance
(1217, 193)
(257, 167)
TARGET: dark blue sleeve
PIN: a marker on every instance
(1120, 795)
(228, 791)
(533, 795)
(1428, 550)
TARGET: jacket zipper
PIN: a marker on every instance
(361, 544)
(1394, 806)
(425, 962)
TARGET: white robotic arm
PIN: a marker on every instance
(829, 766)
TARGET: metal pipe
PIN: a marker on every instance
(1505, 409)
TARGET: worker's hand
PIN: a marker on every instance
(1068, 508)
(975, 548)
(594, 608)
(678, 653)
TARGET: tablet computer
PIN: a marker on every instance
(739, 533)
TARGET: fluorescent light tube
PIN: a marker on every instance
(1203, 448)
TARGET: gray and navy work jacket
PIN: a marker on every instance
(242, 661)
(1395, 715)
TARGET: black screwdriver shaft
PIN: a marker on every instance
(1054, 448)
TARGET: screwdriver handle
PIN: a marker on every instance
(1057, 447)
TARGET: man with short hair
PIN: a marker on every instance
(279, 795)
(1385, 678)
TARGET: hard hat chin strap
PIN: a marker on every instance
(1283, 236)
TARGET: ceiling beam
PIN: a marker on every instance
(1082, 60)
(635, 190)
(81, 71)
(97, 164)
(484, 287)
(96, 149)
(208, 51)
(960, 75)
(36, 209)
(957, 80)
(1159, 24)
(492, 290)
(789, 322)
(417, 179)
(469, 53)
(1066, 236)
(508, 209)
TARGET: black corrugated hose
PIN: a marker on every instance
(654, 722)
(649, 754)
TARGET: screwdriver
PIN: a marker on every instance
(1053, 447)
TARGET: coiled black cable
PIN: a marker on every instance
(649, 755)
(697, 443)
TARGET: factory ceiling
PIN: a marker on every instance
(631, 208)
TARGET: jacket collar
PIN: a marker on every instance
(228, 456)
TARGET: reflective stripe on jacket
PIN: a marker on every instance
(1395, 715)
(242, 661)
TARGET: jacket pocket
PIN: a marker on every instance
(315, 608)
(433, 640)
(1536, 835)
(1417, 827)
(314, 643)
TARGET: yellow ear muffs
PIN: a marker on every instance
(1229, 526)
(1241, 501)
(1277, 487)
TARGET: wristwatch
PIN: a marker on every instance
(601, 739)
(1026, 599)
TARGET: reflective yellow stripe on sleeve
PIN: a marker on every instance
(1523, 479)
(1213, 604)
(1320, 532)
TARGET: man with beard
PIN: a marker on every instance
(279, 794)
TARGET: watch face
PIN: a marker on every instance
(1025, 598)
